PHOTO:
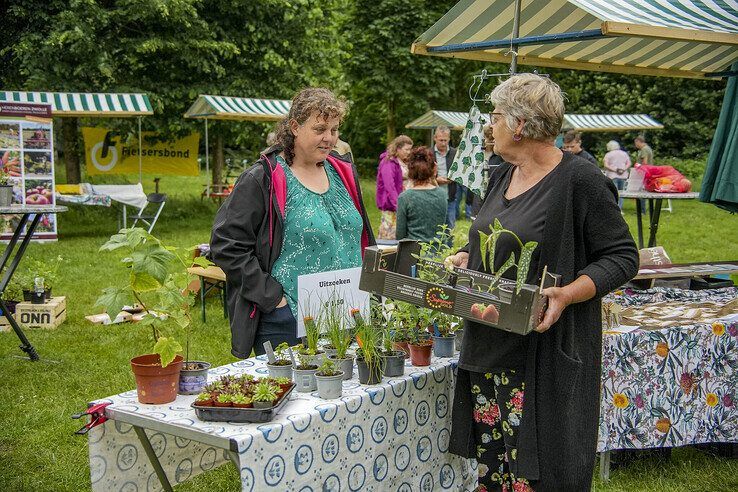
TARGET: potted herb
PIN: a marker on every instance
(6, 188)
(340, 337)
(330, 380)
(444, 336)
(265, 395)
(282, 366)
(156, 280)
(304, 373)
(368, 360)
(420, 348)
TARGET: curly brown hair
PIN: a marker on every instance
(307, 102)
(422, 165)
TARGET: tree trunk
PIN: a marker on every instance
(391, 120)
(218, 160)
(70, 137)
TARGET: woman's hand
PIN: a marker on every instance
(282, 303)
(460, 259)
(558, 299)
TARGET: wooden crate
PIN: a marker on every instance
(50, 314)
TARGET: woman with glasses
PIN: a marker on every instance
(526, 407)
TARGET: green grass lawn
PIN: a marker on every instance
(82, 361)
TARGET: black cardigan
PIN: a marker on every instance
(585, 234)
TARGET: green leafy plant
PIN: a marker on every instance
(369, 339)
(241, 399)
(264, 391)
(327, 368)
(157, 278)
(333, 320)
(225, 398)
(445, 323)
(305, 359)
(4, 177)
(434, 252)
(312, 335)
(282, 355)
(487, 243)
(47, 269)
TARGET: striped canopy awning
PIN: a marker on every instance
(85, 104)
(456, 120)
(238, 108)
(676, 38)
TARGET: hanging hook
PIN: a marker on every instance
(477, 80)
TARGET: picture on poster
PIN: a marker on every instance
(10, 136)
(39, 192)
(37, 163)
(36, 136)
(11, 160)
(340, 286)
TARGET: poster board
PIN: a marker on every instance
(314, 291)
(27, 154)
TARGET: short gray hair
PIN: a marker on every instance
(537, 100)
(443, 130)
(613, 145)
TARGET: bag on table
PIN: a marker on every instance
(664, 179)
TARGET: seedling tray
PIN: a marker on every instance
(241, 415)
(389, 273)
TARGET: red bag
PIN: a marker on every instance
(664, 179)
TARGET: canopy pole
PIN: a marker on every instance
(140, 165)
(515, 35)
(207, 160)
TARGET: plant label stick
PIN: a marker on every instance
(543, 278)
(292, 357)
(270, 352)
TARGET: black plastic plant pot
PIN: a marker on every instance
(394, 364)
(370, 377)
(38, 297)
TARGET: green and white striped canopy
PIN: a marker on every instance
(85, 104)
(456, 120)
(677, 38)
(238, 108)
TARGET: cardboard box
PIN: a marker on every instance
(388, 272)
(50, 314)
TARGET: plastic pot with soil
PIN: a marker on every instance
(346, 365)
(394, 363)
(443, 346)
(420, 353)
(373, 374)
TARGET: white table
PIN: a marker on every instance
(391, 436)
(654, 208)
(101, 195)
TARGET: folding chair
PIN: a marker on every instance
(153, 198)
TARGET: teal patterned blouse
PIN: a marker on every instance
(322, 232)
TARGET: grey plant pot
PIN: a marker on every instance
(192, 381)
(394, 364)
(330, 387)
(305, 380)
(329, 351)
(316, 359)
(263, 404)
(6, 195)
(459, 339)
(280, 371)
(346, 365)
(443, 346)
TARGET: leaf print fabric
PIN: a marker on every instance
(469, 160)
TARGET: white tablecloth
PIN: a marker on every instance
(391, 436)
(132, 195)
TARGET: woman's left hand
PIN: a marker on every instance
(558, 299)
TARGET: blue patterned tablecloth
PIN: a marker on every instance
(673, 386)
(392, 436)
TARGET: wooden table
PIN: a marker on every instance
(211, 278)
(654, 208)
(23, 232)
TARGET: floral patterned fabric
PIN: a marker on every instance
(630, 297)
(498, 407)
(673, 386)
(387, 225)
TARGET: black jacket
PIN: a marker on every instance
(240, 245)
(584, 235)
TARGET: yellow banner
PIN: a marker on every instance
(108, 153)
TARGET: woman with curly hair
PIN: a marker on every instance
(421, 209)
(297, 211)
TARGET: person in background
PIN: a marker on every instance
(645, 153)
(391, 176)
(527, 407)
(491, 160)
(297, 211)
(445, 154)
(573, 144)
(343, 149)
(616, 163)
(422, 208)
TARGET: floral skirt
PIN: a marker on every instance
(498, 408)
(387, 225)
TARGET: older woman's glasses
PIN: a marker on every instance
(496, 117)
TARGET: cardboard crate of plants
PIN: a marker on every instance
(404, 274)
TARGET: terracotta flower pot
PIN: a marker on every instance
(156, 384)
(420, 355)
(402, 347)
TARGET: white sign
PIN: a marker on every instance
(338, 286)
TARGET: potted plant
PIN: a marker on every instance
(6, 188)
(340, 338)
(204, 399)
(265, 395)
(304, 373)
(444, 336)
(310, 341)
(242, 401)
(394, 360)
(156, 280)
(368, 360)
(47, 270)
(330, 380)
(224, 399)
(282, 366)
(12, 295)
(420, 348)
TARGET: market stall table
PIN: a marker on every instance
(30, 215)
(669, 386)
(654, 208)
(102, 195)
(390, 436)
